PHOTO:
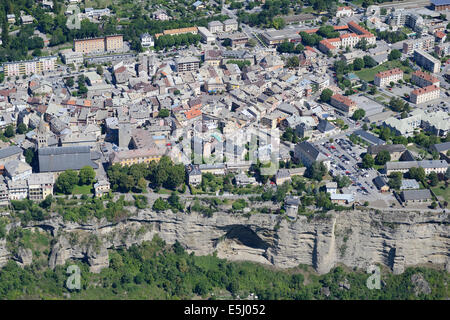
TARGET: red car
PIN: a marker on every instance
(332, 147)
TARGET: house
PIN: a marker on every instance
(412, 196)
(230, 25)
(101, 187)
(441, 147)
(344, 12)
(344, 104)
(381, 184)
(194, 174)
(147, 40)
(18, 189)
(215, 26)
(198, 5)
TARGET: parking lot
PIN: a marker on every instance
(345, 156)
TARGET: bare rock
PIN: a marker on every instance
(24, 257)
(421, 286)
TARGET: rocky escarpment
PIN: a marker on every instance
(354, 238)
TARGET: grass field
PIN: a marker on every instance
(369, 74)
(441, 191)
(86, 189)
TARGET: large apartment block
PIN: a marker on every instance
(427, 61)
(186, 64)
(18, 68)
(98, 45)
(425, 94)
(383, 78)
(425, 43)
(343, 103)
(424, 79)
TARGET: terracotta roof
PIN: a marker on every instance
(193, 113)
(424, 90)
(388, 73)
(426, 76)
(440, 34)
(342, 99)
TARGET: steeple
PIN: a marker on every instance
(41, 134)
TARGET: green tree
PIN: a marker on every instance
(66, 182)
(368, 161)
(86, 175)
(9, 131)
(326, 94)
(395, 54)
(160, 205)
(358, 64)
(164, 113)
(358, 114)
(382, 157)
(395, 180)
(21, 128)
(433, 177)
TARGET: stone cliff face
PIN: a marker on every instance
(354, 238)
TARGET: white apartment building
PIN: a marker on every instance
(344, 12)
(384, 78)
(215, 26)
(422, 95)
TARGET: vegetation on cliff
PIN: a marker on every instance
(154, 270)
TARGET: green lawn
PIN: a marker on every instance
(86, 189)
(369, 74)
(440, 191)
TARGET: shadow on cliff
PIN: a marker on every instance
(245, 236)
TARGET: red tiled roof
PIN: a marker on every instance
(424, 90)
(388, 73)
(426, 76)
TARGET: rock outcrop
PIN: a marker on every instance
(353, 238)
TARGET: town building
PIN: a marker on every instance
(230, 25)
(438, 166)
(307, 153)
(422, 95)
(215, 26)
(70, 57)
(344, 12)
(147, 40)
(207, 36)
(275, 37)
(58, 159)
(40, 185)
(344, 104)
(186, 64)
(424, 79)
(381, 184)
(395, 150)
(423, 43)
(129, 157)
(440, 5)
(101, 187)
(194, 175)
(427, 61)
(113, 43)
(29, 67)
(384, 78)
(413, 196)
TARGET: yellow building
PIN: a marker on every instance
(129, 157)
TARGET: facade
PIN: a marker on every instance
(194, 174)
(129, 157)
(101, 187)
(424, 43)
(438, 166)
(230, 25)
(173, 32)
(411, 196)
(112, 43)
(307, 153)
(424, 79)
(29, 67)
(384, 78)
(147, 40)
(344, 12)
(440, 5)
(343, 103)
(70, 57)
(207, 36)
(276, 37)
(215, 26)
(40, 185)
(395, 150)
(186, 64)
(425, 94)
(427, 61)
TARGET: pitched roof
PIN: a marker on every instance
(9, 151)
(422, 194)
(55, 159)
